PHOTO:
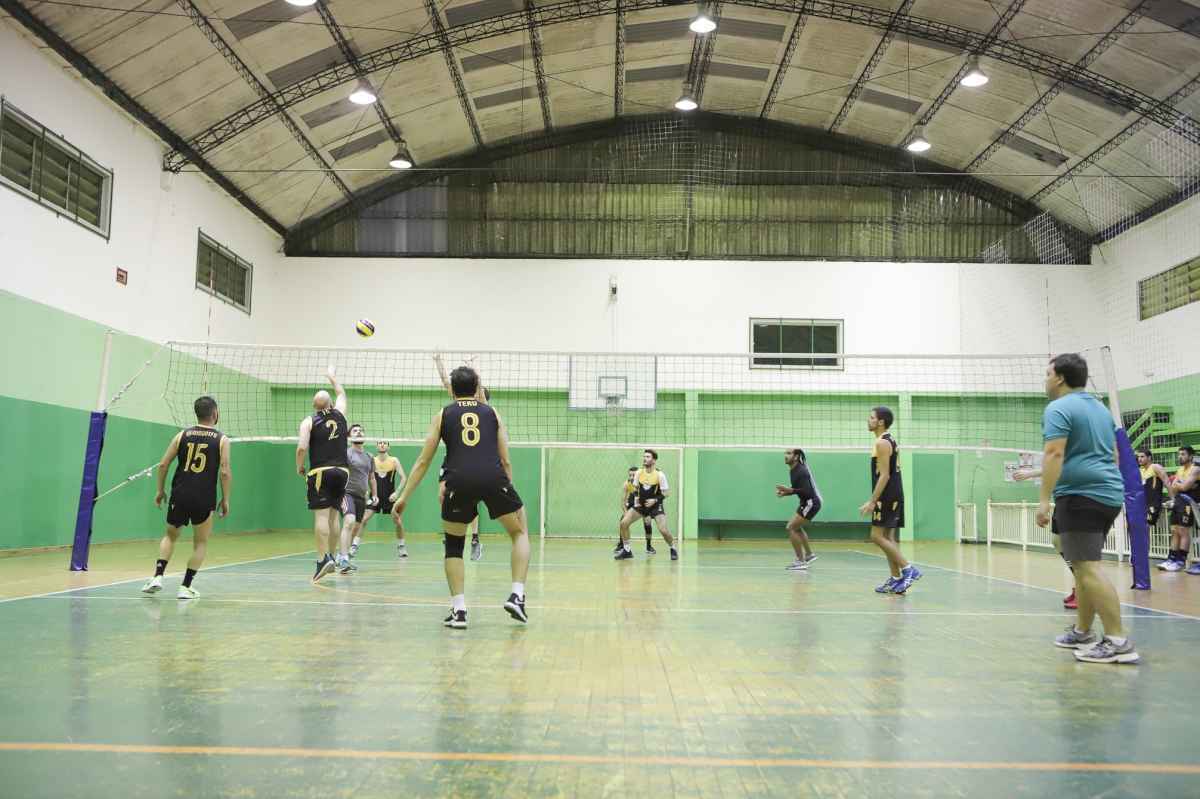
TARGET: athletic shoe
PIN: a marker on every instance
(1173, 566)
(623, 554)
(911, 573)
(456, 620)
(476, 548)
(617, 548)
(1163, 566)
(1108, 652)
(902, 583)
(1073, 639)
(186, 592)
(1070, 602)
(811, 558)
(343, 565)
(516, 608)
(888, 586)
(798, 565)
(353, 550)
(325, 566)
(153, 586)
(402, 551)
(674, 554)
(651, 550)
(1194, 568)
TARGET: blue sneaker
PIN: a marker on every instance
(1194, 568)
(888, 586)
(912, 572)
(902, 584)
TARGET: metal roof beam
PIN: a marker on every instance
(1035, 110)
(1008, 52)
(112, 91)
(785, 62)
(702, 51)
(444, 43)
(539, 65)
(619, 63)
(889, 34)
(239, 66)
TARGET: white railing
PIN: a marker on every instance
(1015, 523)
(964, 522)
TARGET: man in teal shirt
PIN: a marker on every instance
(1080, 466)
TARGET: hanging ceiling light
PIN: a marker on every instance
(917, 143)
(703, 23)
(363, 94)
(302, 2)
(686, 103)
(974, 77)
(402, 159)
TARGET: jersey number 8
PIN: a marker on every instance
(470, 429)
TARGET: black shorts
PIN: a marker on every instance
(182, 511)
(380, 505)
(1181, 513)
(652, 512)
(355, 505)
(327, 486)
(889, 514)
(1082, 524)
(809, 507)
(461, 502)
(1152, 514)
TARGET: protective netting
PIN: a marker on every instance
(736, 400)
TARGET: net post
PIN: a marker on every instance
(542, 496)
(97, 424)
(1135, 494)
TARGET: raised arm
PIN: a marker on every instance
(422, 463)
(164, 466)
(226, 475)
(302, 445)
(443, 375)
(338, 390)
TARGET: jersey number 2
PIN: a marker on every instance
(197, 460)
(332, 425)
(470, 429)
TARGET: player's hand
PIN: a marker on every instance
(651, 502)
(1021, 475)
(782, 491)
(865, 509)
(394, 496)
(1043, 515)
(331, 373)
(398, 506)
(159, 498)
(223, 511)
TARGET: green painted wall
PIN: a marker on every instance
(1181, 394)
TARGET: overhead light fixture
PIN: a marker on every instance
(917, 143)
(975, 77)
(302, 3)
(702, 24)
(363, 94)
(402, 159)
(687, 102)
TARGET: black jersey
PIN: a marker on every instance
(329, 439)
(802, 482)
(650, 484)
(385, 477)
(197, 466)
(471, 432)
(895, 487)
(1153, 485)
(1181, 474)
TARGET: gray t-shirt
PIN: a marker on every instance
(361, 464)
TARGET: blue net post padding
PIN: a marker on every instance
(1135, 513)
(87, 491)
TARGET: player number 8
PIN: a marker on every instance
(470, 432)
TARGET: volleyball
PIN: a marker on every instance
(365, 327)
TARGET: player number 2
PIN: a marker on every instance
(332, 425)
(470, 432)
(196, 458)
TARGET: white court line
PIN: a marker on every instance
(683, 563)
(756, 611)
(1035, 587)
(138, 579)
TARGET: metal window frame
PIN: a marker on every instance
(78, 156)
(205, 240)
(1184, 267)
(783, 321)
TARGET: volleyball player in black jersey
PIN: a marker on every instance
(886, 505)
(201, 453)
(1154, 480)
(628, 496)
(1184, 491)
(324, 436)
(804, 488)
(477, 469)
(482, 395)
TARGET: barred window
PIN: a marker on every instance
(792, 336)
(1169, 290)
(220, 272)
(52, 172)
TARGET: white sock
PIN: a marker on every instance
(459, 601)
(400, 544)
(1117, 641)
(519, 590)
(357, 541)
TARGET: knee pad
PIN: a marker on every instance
(455, 544)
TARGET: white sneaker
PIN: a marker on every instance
(1173, 566)
(153, 586)
(811, 558)
(186, 592)
(402, 551)
(798, 565)
(1163, 566)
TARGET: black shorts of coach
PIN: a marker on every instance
(183, 510)
(327, 486)
(1181, 513)
(352, 504)
(460, 504)
(809, 508)
(888, 514)
(1082, 524)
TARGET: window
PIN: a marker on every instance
(220, 272)
(1169, 290)
(50, 171)
(792, 336)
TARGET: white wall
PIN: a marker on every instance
(154, 224)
